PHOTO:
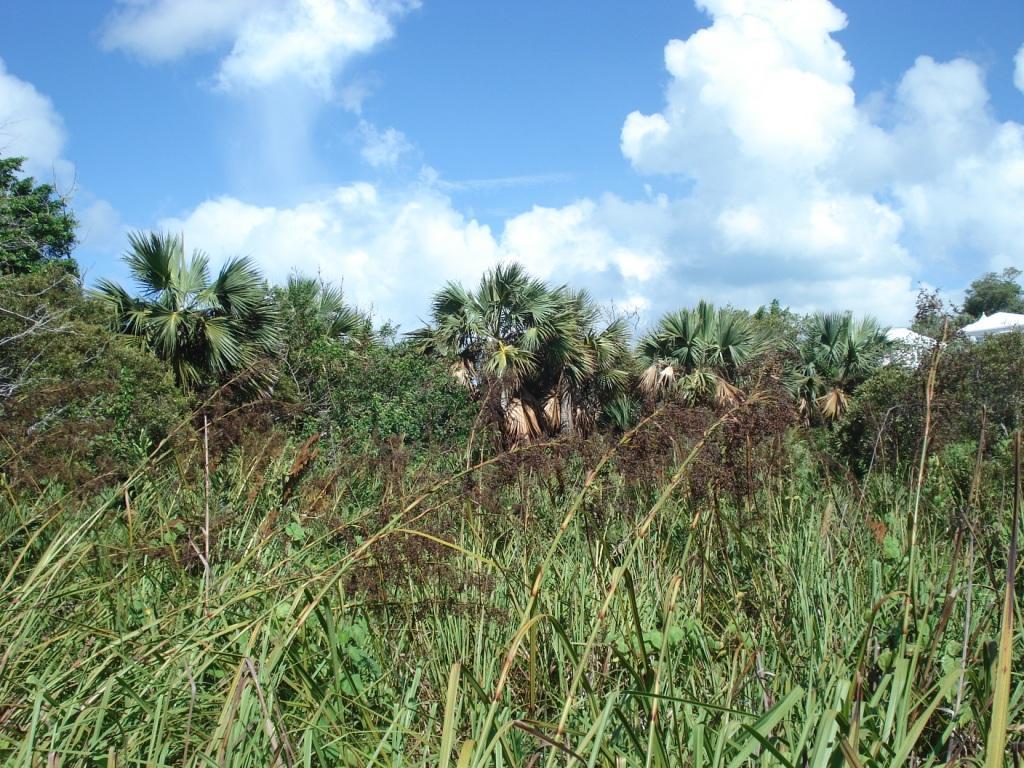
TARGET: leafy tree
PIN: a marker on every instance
(885, 420)
(778, 326)
(994, 292)
(537, 350)
(934, 315)
(837, 352)
(36, 226)
(882, 425)
(697, 353)
(201, 327)
(975, 376)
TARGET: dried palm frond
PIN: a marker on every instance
(726, 393)
(462, 371)
(552, 410)
(833, 404)
(521, 422)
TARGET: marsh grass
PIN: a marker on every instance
(420, 613)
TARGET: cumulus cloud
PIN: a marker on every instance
(800, 189)
(382, 247)
(577, 240)
(268, 40)
(390, 248)
(30, 127)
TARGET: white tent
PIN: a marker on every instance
(998, 322)
(909, 346)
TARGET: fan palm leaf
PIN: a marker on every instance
(836, 354)
(697, 352)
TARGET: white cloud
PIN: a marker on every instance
(799, 190)
(575, 240)
(390, 249)
(269, 40)
(382, 149)
(100, 227)
(765, 83)
(30, 127)
(1018, 70)
(958, 176)
(384, 248)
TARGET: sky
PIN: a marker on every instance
(830, 155)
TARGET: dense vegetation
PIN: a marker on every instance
(241, 525)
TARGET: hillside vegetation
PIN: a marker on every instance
(244, 524)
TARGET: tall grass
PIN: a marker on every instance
(444, 618)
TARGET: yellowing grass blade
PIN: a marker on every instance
(450, 716)
(996, 744)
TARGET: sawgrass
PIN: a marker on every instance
(597, 623)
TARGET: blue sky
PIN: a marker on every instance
(831, 155)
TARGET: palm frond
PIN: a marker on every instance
(154, 259)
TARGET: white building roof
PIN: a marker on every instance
(911, 347)
(997, 322)
(907, 336)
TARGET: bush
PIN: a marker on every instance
(362, 393)
(882, 427)
(886, 416)
(79, 404)
(972, 377)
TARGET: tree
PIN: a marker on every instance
(778, 326)
(837, 352)
(537, 350)
(36, 226)
(696, 353)
(201, 328)
(994, 292)
(935, 316)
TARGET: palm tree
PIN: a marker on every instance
(536, 348)
(584, 366)
(312, 309)
(836, 353)
(201, 327)
(697, 352)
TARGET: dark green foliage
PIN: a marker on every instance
(836, 353)
(404, 618)
(886, 415)
(79, 403)
(371, 600)
(696, 353)
(972, 376)
(351, 386)
(994, 292)
(540, 353)
(360, 394)
(882, 427)
(311, 309)
(36, 226)
(779, 325)
(934, 315)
